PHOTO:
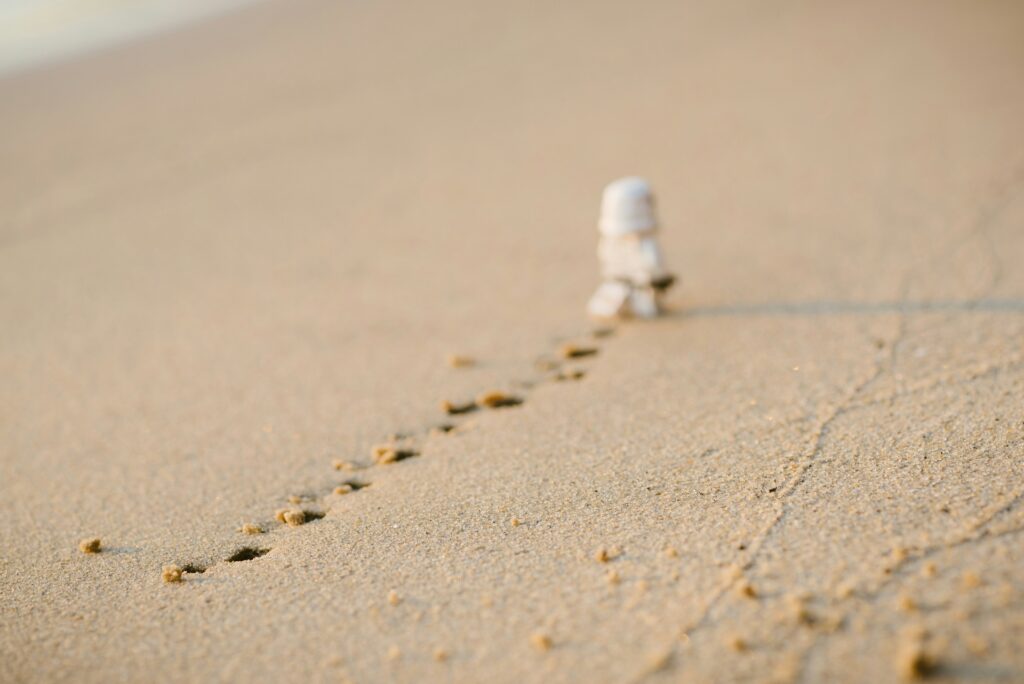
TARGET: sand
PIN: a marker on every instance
(233, 254)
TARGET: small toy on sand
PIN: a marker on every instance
(632, 267)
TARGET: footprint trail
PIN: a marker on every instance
(403, 445)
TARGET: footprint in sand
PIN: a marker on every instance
(400, 446)
(246, 553)
(392, 453)
(349, 486)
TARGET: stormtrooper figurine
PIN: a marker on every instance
(631, 263)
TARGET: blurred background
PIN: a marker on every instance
(34, 32)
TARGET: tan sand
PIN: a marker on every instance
(237, 253)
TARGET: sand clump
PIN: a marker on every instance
(460, 361)
(746, 590)
(976, 645)
(607, 554)
(906, 603)
(797, 610)
(575, 351)
(91, 545)
(898, 555)
(251, 528)
(393, 598)
(442, 429)
(390, 453)
(440, 655)
(736, 643)
(732, 573)
(293, 517)
(491, 398)
(454, 409)
(845, 590)
(384, 453)
(970, 580)
(657, 661)
(541, 641)
(913, 662)
(497, 399)
(171, 574)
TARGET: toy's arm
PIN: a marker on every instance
(664, 282)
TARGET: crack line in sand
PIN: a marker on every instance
(947, 380)
(849, 403)
(855, 308)
(757, 544)
(988, 219)
(977, 530)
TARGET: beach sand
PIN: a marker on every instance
(235, 253)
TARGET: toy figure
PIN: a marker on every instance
(631, 263)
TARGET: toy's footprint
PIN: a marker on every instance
(390, 453)
(403, 446)
(349, 486)
(246, 553)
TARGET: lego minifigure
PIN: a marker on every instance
(631, 263)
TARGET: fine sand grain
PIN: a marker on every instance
(234, 257)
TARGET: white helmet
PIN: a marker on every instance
(627, 206)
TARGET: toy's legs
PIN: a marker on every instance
(609, 300)
(644, 302)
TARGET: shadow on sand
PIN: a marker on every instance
(838, 308)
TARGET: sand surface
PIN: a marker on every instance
(235, 253)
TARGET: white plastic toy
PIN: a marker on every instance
(631, 263)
